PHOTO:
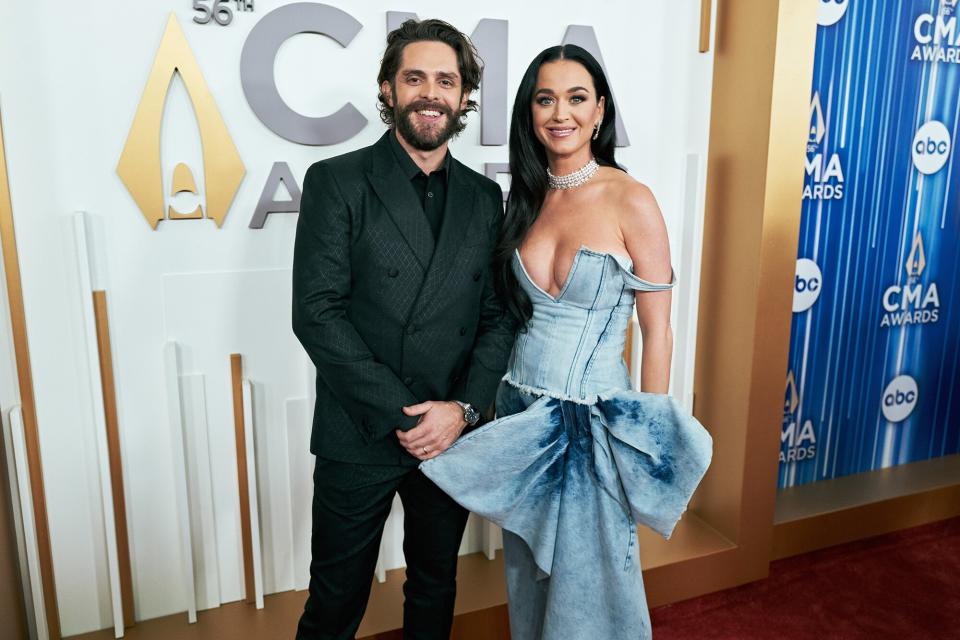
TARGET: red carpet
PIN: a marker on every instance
(904, 585)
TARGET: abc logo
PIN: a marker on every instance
(899, 398)
(806, 285)
(831, 11)
(931, 147)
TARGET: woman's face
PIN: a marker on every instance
(565, 107)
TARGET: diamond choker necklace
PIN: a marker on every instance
(575, 179)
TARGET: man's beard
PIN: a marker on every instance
(431, 139)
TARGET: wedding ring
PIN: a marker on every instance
(425, 450)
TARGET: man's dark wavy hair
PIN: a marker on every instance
(468, 60)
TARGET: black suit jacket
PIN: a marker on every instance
(388, 318)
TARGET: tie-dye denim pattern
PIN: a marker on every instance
(569, 467)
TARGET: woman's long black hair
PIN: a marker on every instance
(528, 169)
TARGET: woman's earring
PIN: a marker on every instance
(596, 131)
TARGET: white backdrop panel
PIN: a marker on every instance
(211, 316)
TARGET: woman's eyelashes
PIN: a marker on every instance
(546, 101)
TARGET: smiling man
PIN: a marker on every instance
(393, 300)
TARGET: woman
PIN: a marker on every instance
(575, 457)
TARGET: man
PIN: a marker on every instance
(393, 300)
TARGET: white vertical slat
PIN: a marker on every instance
(688, 294)
(492, 539)
(252, 490)
(390, 553)
(18, 438)
(171, 370)
(636, 350)
(84, 272)
(311, 389)
(301, 487)
(380, 571)
(391, 544)
(18, 495)
(203, 534)
(311, 402)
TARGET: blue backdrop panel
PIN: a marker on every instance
(873, 378)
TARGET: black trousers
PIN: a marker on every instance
(351, 503)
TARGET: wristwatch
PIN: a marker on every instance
(470, 415)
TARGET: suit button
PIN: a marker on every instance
(393, 272)
(476, 276)
(463, 331)
(408, 381)
(412, 329)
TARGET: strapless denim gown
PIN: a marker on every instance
(575, 458)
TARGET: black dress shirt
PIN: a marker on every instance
(431, 189)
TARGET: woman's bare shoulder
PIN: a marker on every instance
(634, 201)
(625, 187)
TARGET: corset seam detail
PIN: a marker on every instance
(576, 354)
(591, 316)
(588, 369)
(521, 345)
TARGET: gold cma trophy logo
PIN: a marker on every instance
(790, 398)
(917, 260)
(140, 167)
(796, 443)
(818, 127)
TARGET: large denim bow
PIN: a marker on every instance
(643, 449)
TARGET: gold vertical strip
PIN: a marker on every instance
(21, 350)
(763, 67)
(236, 375)
(706, 9)
(113, 451)
(13, 611)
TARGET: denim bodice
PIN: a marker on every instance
(572, 348)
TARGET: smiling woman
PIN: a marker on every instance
(575, 452)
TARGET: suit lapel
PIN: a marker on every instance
(394, 190)
(457, 215)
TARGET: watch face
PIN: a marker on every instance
(470, 414)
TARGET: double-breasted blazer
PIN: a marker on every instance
(389, 316)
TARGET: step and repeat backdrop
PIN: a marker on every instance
(155, 153)
(874, 377)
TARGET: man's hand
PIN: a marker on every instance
(441, 423)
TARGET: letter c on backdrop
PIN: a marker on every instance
(260, 86)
